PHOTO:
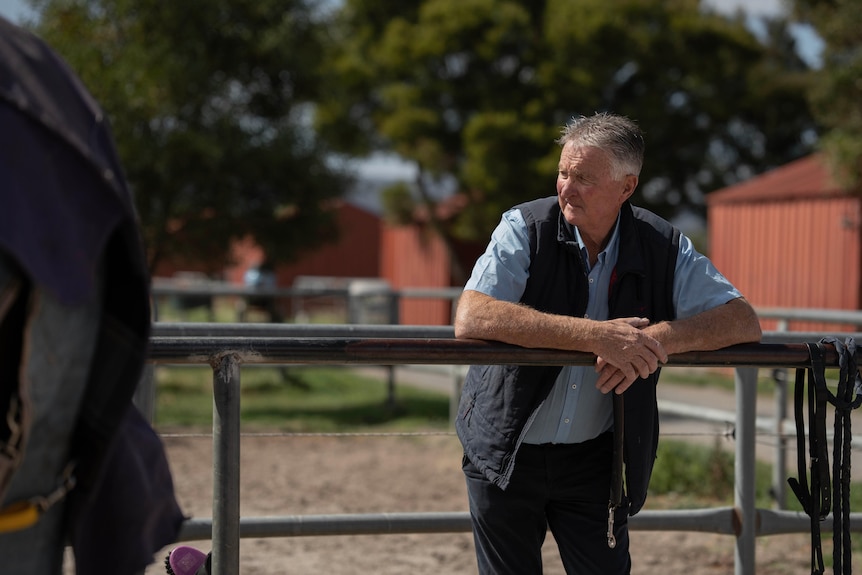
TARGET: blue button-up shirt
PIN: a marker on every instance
(575, 410)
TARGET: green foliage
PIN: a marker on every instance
(836, 91)
(398, 203)
(478, 90)
(693, 472)
(688, 475)
(209, 102)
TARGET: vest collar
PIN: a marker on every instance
(630, 259)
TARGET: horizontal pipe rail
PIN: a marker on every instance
(209, 329)
(384, 351)
(840, 316)
(206, 329)
(721, 520)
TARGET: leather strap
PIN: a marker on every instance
(616, 496)
(817, 498)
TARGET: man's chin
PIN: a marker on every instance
(572, 215)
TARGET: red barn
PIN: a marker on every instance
(408, 256)
(790, 238)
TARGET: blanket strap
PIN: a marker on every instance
(23, 514)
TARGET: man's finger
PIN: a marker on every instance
(657, 349)
(623, 386)
(604, 372)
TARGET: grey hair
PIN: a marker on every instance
(618, 136)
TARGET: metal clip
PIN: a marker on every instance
(612, 541)
(68, 483)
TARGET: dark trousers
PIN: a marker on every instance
(561, 487)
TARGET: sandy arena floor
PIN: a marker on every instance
(373, 474)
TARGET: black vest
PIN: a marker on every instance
(498, 401)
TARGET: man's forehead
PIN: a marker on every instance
(583, 156)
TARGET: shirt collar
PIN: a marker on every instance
(610, 249)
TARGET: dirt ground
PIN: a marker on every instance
(296, 475)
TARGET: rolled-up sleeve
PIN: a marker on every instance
(502, 271)
(698, 286)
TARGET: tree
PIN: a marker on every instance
(209, 102)
(478, 90)
(836, 92)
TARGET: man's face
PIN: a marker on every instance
(589, 196)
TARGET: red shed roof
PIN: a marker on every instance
(803, 178)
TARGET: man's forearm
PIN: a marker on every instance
(621, 342)
(482, 317)
(728, 324)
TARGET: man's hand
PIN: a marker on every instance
(724, 325)
(625, 353)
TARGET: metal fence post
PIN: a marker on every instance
(226, 474)
(744, 469)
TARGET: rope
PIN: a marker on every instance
(816, 497)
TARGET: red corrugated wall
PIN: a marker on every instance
(356, 253)
(800, 253)
(412, 256)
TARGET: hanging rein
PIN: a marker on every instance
(816, 497)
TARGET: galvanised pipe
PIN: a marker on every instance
(721, 520)
(207, 329)
(226, 464)
(393, 351)
(744, 468)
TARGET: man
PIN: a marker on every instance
(584, 271)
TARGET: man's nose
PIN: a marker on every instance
(566, 188)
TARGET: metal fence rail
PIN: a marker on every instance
(721, 520)
(226, 353)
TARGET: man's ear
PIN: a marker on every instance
(630, 183)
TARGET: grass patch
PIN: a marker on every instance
(724, 378)
(687, 476)
(300, 399)
(719, 379)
